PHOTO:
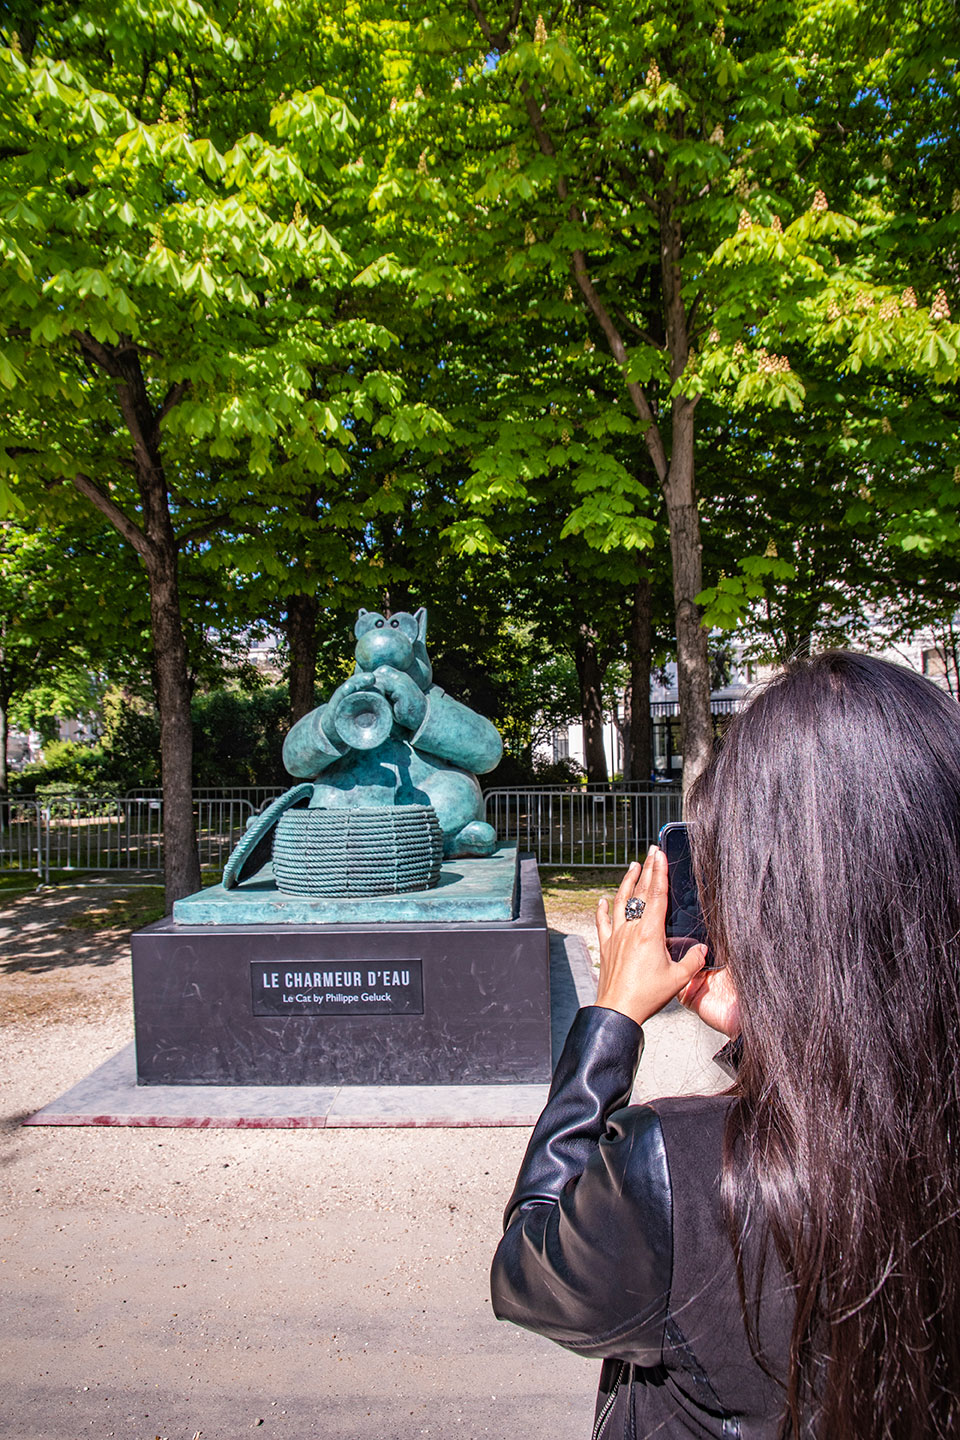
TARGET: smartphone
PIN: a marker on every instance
(685, 924)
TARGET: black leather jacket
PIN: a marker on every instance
(615, 1246)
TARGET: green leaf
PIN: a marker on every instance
(9, 375)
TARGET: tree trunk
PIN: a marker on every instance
(301, 628)
(156, 543)
(951, 667)
(590, 675)
(693, 667)
(622, 723)
(172, 690)
(676, 475)
(683, 518)
(638, 757)
(4, 738)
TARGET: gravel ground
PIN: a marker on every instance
(185, 1283)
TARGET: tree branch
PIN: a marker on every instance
(200, 532)
(540, 131)
(96, 351)
(496, 38)
(108, 356)
(626, 323)
(651, 434)
(122, 363)
(173, 397)
(146, 63)
(121, 522)
(626, 174)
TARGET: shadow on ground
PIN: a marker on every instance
(35, 938)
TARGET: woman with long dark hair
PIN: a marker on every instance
(782, 1260)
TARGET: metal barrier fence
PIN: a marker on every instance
(579, 828)
(20, 841)
(257, 795)
(82, 833)
(72, 833)
(596, 787)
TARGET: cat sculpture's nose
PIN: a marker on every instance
(384, 647)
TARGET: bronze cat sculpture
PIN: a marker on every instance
(389, 736)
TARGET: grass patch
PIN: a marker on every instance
(578, 891)
(17, 882)
(128, 912)
(140, 906)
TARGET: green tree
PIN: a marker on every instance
(650, 182)
(238, 737)
(170, 292)
(58, 639)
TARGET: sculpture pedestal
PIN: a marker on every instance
(287, 1003)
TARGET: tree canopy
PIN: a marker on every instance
(607, 325)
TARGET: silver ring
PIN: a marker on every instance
(634, 908)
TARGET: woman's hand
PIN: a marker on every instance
(710, 994)
(637, 976)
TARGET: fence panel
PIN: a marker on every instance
(95, 833)
(578, 828)
(67, 833)
(21, 842)
(220, 824)
(257, 795)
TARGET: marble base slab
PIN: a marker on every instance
(110, 1095)
(468, 890)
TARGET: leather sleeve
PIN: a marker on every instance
(587, 1252)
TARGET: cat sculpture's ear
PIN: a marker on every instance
(421, 618)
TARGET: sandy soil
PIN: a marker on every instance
(184, 1283)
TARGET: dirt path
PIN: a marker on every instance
(170, 1283)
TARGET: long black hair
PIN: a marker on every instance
(827, 844)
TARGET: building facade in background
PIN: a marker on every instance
(926, 654)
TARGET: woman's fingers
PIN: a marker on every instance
(627, 886)
(638, 881)
(690, 969)
(650, 886)
(604, 927)
(648, 883)
(693, 990)
(711, 995)
(654, 887)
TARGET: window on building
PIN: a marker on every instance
(934, 663)
(941, 667)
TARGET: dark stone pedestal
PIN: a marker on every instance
(398, 1004)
